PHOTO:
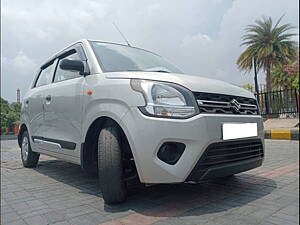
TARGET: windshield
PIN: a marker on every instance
(116, 58)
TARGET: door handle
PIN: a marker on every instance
(48, 98)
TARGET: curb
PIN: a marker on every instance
(287, 134)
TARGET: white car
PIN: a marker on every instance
(127, 112)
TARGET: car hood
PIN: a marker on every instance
(194, 83)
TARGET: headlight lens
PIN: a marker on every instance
(165, 99)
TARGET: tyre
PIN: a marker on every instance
(110, 168)
(29, 158)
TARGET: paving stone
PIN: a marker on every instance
(54, 216)
(62, 223)
(280, 221)
(9, 217)
(175, 221)
(6, 209)
(34, 203)
(16, 222)
(19, 206)
(78, 211)
(36, 220)
(288, 218)
(290, 210)
(89, 219)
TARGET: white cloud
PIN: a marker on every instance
(16, 72)
(22, 62)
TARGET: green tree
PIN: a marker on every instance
(292, 69)
(287, 76)
(295, 83)
(280, 79)
(4, 111)
(267, 44)
(10, 114)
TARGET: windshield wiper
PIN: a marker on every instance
(150, 70)
(158, 69)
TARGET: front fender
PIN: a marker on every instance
(114, 110)
(110, 98)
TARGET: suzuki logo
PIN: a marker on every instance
(235, 105)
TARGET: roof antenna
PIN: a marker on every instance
(121, 34)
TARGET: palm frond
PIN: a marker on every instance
(269, 43)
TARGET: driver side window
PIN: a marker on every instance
(61, 75)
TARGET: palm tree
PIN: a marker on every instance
(268, 46)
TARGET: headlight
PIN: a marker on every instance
(165, 99)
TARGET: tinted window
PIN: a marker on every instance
(114, 58)
(45, 76)
(61, 75)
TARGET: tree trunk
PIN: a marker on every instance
(269, 78)
(269, 94)
(255, 81)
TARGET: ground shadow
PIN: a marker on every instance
(167, 200)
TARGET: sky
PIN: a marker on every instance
(201, 37)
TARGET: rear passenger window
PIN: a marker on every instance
(61, 75)
(45, 76)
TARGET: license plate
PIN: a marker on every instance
(238, 130)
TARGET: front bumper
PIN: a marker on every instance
(147, 134)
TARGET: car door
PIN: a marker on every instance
(34, 103)
(63, 109)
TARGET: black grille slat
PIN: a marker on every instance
(220, 103)
(234, 148)
(225, 153)
(229, 153)
(232, 154)
(218, 159)
(230, 160)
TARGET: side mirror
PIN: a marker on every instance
(74, 65)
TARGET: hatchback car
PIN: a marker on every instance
(126, 112)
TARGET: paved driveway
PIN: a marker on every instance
(58, 192)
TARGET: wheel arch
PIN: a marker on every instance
(88, 154)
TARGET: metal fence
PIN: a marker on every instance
(280, 103)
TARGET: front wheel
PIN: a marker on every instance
(110, 168)
(29, 158)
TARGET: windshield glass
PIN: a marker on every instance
(116, 58)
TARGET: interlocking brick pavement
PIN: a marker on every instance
(57, 192)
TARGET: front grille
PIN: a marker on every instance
(226, 104)
(226, 153)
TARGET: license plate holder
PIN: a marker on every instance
(238, 130)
